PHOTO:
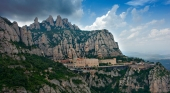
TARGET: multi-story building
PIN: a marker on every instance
(108, 61)
(91, 62)
(85, 62)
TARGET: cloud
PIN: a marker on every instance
(123, 33)
(137, 14)
(123, 15)
(146, 8)
(162, 34)
(133, 35)
(24, 10)
(142, 29)
(109, 21)
(143, 37)
(139, 2)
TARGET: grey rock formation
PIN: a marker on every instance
(16, 28)
(14, 90)
(159, 80)
(63, 23)
(26, 36)
(9, 32)
(60, 45)
(59, 22)
(35, 25)
(50, 20)
(48, 28)
(75, 27)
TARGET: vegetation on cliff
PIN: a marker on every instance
(31, 73)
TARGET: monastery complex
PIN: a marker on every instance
(86, 62)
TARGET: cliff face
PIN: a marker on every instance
(57, 39)
(151, 80)
(159, 79)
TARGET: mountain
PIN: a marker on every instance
(56, 40)
(29, 55)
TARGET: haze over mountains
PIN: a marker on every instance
(164, 59)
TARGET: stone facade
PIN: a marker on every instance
(91, 62)
(86, 63)
(110, 61)
(78, 62)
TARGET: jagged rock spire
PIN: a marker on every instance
(50, 20)
(36, 20)
(16, 28)
(59, 22)
(36, 24)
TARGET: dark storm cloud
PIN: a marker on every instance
(24, 10)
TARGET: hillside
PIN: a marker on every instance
(38, 74)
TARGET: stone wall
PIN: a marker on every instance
(92, 62)
(80, 63)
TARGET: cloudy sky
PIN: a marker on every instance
(137, 25)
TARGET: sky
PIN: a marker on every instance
(137, 25)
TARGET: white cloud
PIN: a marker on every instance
(153, 22)
(137, 14)
(139, 2)
(109, 21)
(143, 37)
(123, 33)
(146, 8)
(162, 34)
(123, 15)
(134, 34)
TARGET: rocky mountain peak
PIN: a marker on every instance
(59, 22)
(50, 20)
(35, 25)
(16, 28)
(36, 20)
(65, 20)
(50, 24)
(15, 23)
